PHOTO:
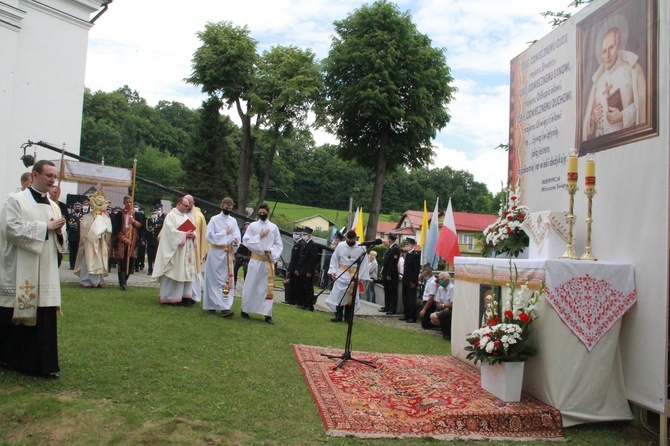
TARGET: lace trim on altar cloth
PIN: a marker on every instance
(539, 225)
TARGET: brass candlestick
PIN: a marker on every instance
(569, 248)
(588, 255)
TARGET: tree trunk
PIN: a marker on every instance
(378, 188)
(266, 177)
(246, 158)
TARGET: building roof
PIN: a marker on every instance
(384, 227)
(465, 221)
(331, 223)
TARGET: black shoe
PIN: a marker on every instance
(268, 320)
(124, 287)
(52, 375)
(402, 318)
(336, 319)
(382, 310)
(308, 308)
(149, 273)
(446, 337)
(212, 311)
(390, 313)
(245, 315)
(410, 321)
(227, 313)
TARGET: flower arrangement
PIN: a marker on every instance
(504, 336)
(505, 235)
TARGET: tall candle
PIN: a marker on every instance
(572, 169)
(590, 179)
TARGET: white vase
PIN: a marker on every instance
(503, 380)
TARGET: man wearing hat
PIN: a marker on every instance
(390, 275)
(291, 281)
(305, 271)
(153, 226)
(410, 281)
(73, 220)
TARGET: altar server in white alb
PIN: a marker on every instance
(342, 269)
(223, 235)
(95, 236)
(32, 233)
(264, 241)
(175, 260)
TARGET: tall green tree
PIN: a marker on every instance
(226, 67)
(387, 93)
(288, 87)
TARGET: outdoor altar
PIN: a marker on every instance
(578, 367)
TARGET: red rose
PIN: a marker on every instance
(509, 314)
(524, 318)
(513, 198)
(509, 230)
(494, 321)
(509, 217)
(522, 216)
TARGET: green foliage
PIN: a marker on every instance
(559, 17)
(387, 88)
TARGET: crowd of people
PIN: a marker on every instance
(190, 259)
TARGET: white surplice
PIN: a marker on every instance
(343, 257)
(255, 292)
(216, 266)
(28, 264)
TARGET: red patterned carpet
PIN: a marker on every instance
(417, 396)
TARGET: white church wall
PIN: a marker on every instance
(47, 54)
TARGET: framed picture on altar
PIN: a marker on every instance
(484, 292)
(617, 75)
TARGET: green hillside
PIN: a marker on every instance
(296, 212)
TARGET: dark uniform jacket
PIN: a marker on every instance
(152, 228)
(412, 268)
(309, 256)
(390, 262)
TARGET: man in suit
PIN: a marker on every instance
(305, 271)
(390, 276)
(153, 227)
(410, 281)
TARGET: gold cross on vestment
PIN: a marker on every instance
(26, 287)
(608, 87)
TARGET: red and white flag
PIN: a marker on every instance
(447, 244)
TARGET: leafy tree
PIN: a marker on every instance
(387, 93)
(160, 166)
(288, 87)
(211, 162)
(559, 17)
(226, 66)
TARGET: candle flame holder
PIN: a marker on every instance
(569, 248)
(588, 255)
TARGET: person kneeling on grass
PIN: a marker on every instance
(444, 300)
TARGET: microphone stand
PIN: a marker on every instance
(352, 290)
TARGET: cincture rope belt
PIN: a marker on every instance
(271, 273)
(352, 270)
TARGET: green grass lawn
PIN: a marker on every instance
(135, 372)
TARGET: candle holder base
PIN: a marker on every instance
(569, 253)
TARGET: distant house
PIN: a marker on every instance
(467, 227)
(317, 222)
(384, 228)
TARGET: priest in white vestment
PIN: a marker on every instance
(343, 267)
(223, 236)
(264, 241)
(32, 233)
(618, 97)
(176, 257)
(95, 230)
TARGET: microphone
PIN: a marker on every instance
(371, 243)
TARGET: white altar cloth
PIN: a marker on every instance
(585, 385)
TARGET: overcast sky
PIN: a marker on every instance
(148, 45)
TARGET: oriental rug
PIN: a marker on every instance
(417, 396)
